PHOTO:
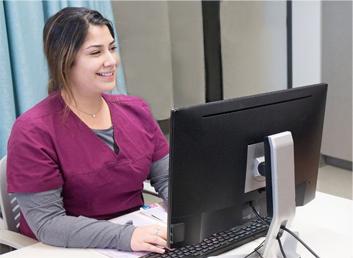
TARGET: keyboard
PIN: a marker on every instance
(219, 242)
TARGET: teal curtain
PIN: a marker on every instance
(24, 73)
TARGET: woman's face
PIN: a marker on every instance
(95, 65)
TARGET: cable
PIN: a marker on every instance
(266, 223)
(285, 229)
(280, 246)
(259, 253)
(301, 241)
(256, 250)
(258, 215)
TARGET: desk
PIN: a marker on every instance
(325, 224)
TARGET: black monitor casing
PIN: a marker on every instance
(208, 155)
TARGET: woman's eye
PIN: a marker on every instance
(95, 53)
(113, 48)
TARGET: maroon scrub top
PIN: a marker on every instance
(50, 148)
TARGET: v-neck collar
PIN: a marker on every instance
(113, 117)
(90, 131)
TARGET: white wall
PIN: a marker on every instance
(186, 34)
(146, 52)
(306, 42)
(254, 48)
(162, 52)
(337, 72)
(322, 52)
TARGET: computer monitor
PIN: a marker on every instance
(210, 149)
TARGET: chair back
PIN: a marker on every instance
(10, 210)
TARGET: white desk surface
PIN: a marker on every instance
(325, 224)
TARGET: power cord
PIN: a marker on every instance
(256, 250)
(301, 241)
(285, 229)
(268, 224)
(280, 246)
(258, 215)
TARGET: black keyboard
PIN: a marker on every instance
(219, 242)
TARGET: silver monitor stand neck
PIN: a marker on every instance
(283, 192)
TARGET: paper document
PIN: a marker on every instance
(155, 211)
(118, 254)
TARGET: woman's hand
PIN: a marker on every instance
(150, 238)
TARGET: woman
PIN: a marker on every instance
(79, 157)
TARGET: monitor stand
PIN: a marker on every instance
(280, 184)
(280, 188)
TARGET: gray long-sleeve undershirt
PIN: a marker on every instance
(46, 216)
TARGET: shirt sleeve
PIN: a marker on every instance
(32, 163)
(159, 177)
(46, 216)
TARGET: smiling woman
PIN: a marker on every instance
(93, 71)
(97, 60)
(80, 156)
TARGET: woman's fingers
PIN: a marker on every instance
(162, 232)
(156, 240)
(159, 231)
(149, 238)
(153, 248)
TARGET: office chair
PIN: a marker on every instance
(10, 215)
(149, 194)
